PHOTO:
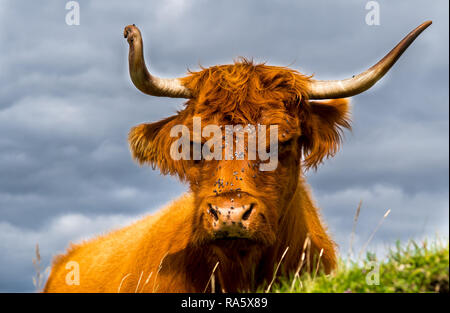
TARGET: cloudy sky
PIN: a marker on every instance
(67, 104)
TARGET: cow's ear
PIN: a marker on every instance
(150, 144)
(322, 126)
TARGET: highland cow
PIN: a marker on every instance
(237, 223)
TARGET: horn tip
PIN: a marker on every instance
(427, 23)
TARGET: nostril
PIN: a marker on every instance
(248, 212)
(213, 212)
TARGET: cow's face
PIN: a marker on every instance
(238, 199)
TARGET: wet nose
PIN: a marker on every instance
(231, 221)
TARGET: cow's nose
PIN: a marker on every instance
(231, 221)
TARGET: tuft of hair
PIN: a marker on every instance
(243, 91)
(322, 131)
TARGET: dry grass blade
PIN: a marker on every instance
(121, 282)
(276, 270)
(374, 232)
(38, 255)
(302, 260)
(211, 278)
(139, 281)
(352, 236)
(159, 269)
(146, 281)
(297, 272)
(308, 255)
(38, 280)
(318, 263)
(307, 242)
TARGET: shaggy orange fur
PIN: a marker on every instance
(175, 250)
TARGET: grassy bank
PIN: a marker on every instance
(411, 268)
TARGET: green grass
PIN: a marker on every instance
(412, 268)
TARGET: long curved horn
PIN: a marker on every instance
(332, 89)
(142, 79)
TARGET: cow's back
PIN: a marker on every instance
(111, 262)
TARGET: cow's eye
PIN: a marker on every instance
(285, 148)
(197, 162)
(287, 143)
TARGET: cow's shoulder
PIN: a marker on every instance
(103, 251)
